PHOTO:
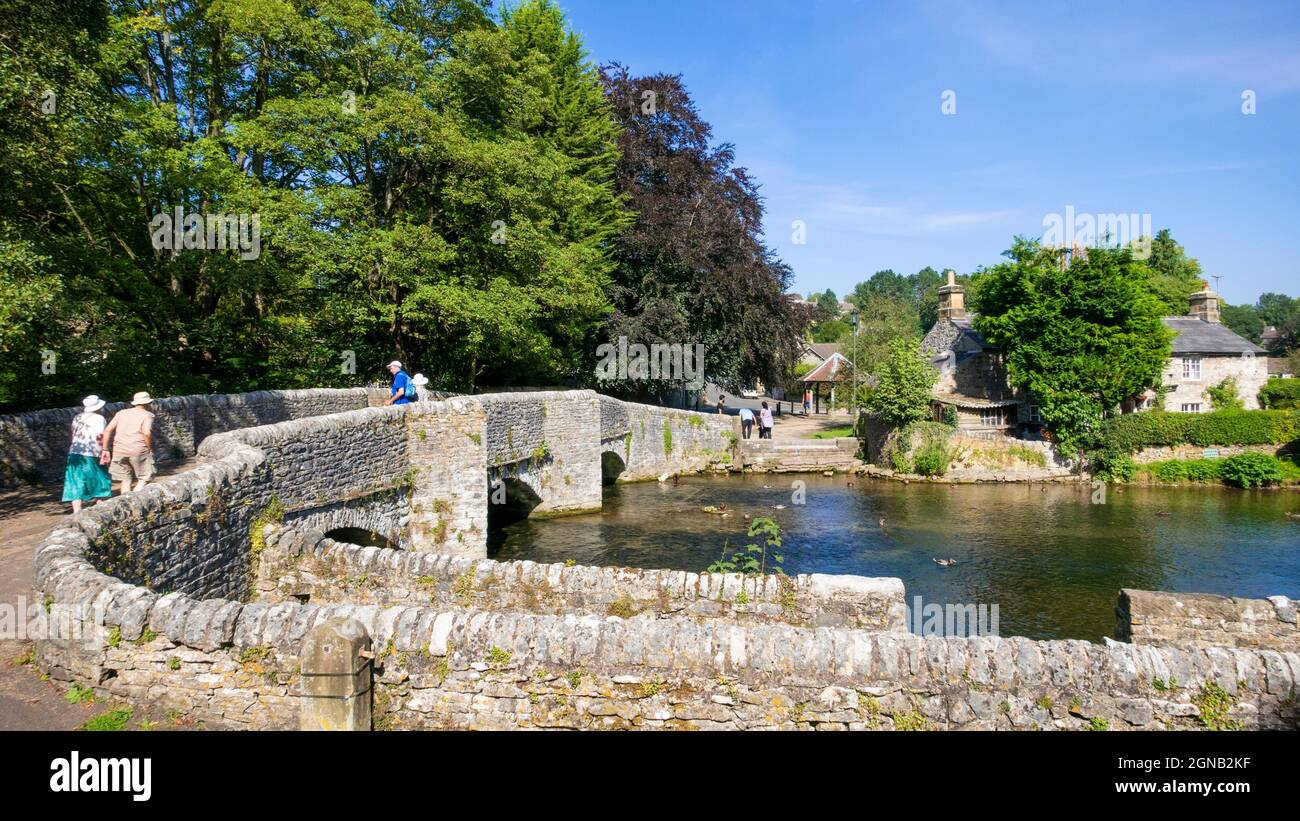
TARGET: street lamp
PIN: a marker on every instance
(853, 363)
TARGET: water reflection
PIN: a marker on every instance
(1050, 559)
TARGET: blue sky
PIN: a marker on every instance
(1130, 107)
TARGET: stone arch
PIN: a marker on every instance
(510, 499)
(362, 537)
(611, 466)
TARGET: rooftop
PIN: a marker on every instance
(1195, 335)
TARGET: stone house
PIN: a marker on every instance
(1206, 353)
(972, 379)
(973, 383)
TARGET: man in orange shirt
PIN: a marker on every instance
(131, 434)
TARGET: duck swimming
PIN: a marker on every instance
(945, 562)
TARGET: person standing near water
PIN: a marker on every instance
(746, 423)
(765, 422)
(722, 405)
(85, 478)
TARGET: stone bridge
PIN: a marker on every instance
(157, 599)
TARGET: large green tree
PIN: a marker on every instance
(694, 268)
(1079, 338)
(431, 182)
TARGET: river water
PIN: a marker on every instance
(1048, 557)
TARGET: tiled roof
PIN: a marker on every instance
(823, 350)
(834, 369)
(967, 329)
(961, 400)
(1195, 335)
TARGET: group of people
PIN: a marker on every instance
(765, 422)
(405, 389)
(103, 452)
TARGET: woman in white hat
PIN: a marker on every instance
(419, 381)
(85, 478)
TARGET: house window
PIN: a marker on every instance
(1191, 407)
(1191, 367)
(1035, 416)
(991, 417)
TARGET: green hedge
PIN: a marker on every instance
(1135, 431)
(1243, 470)
(1280, 394)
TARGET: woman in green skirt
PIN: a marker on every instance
(85, 478)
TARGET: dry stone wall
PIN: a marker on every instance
(298, 564)
(235, 665)
(1195, 620)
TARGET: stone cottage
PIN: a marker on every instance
(1205, 354)
(972, 379)
(973, 383)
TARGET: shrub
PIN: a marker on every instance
(1204, 470)
(1223, 396)
(932, 460)
(1113, 466)
(899, 461)
(1134, 431)
(1174, 470)
(1187, 470)
(1280, 394)
(1252, 470)
(930, 440)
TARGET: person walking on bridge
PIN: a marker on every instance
(402, 390)
(85, 478)
(131, 434)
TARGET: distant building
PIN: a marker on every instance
(1206, 353)
(972, 379)
(973, 383)
(1271, 340)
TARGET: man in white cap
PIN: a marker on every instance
(131, 434)
(401, 391)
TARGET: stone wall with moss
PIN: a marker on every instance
(651, 441)
(300, 565)
(548, 441)
(1192, 620)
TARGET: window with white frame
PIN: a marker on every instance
(1035, 415)
(1191, 407)
(1191, 367)
(991, 417)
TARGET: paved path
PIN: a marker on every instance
(26, 702)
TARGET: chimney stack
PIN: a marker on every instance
(952, 299)
(1204, 304)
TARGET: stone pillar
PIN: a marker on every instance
(336, 677)
(446, 449)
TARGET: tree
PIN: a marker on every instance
(430, 183)
(693, 267)
(902, 392)
(1079, 339)
(1243, 320)
(1174, 275)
